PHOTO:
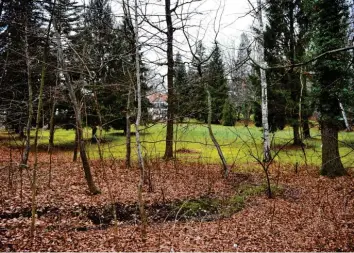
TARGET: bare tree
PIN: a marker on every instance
(199, 62)
(77, 110)
(242, 93)
(137, 124)
(30, 99)
(129, 29)
(169, 31)
(38, 121)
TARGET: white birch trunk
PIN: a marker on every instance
(300, 102)
(349, 129)
(260, 51)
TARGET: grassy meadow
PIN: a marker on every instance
(239, 144)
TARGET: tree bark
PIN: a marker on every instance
(85, 164)
(76, 145)
(331, 163)
(265, 124)
(170, 70)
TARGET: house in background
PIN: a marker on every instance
(158, 110)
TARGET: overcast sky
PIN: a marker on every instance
(229, 17)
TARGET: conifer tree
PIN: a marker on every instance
(181, 88)
(228, 117)
(196, 107)
(217, 83)
(330, 26)
(285, 43)
(20, 43)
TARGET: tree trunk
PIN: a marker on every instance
(76, 145)
(51, 139)
(306, 128)
(129, 29)
(51, 127)
(30, 104)
(294, 79)
(137, 130)
(211, 134)
(85, 164)
(331, 163)
(209, 116)
(170, 74)
(128, 142)
(266, 136)
(303, 117)
(296, 134)
(94, 136)
(128, 132)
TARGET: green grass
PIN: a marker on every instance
(239, 144)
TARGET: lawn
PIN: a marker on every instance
(239, 144)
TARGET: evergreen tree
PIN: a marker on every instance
(197, 106)
(285, 43)
(181, 88)
(228, 116)
(67, 21)
(217, 83)
(330, 26)
(109, 49)
(20, 32)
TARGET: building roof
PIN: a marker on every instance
(157, 97)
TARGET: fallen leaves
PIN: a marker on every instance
(311, 214)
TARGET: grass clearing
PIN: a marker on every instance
(238, 144)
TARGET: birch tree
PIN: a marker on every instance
(261, 62)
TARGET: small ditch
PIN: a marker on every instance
(204, 208)
(195, 209)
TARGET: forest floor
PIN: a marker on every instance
(190, 207)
